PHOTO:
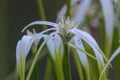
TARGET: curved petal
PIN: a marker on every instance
(39, 36)
(55, 45)
(93, 44)
(18, 52)
(82, 56)
(41, 23)
(21, 53)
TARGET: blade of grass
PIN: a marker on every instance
(111, 59)
(35, 60)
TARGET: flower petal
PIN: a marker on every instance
(109, 16)
(92, 43)
(62, 12)
(39, 36)
(81, 12)
(18, 52)
(21, 53)
(41, 23)
(55, 45)
(82, 56)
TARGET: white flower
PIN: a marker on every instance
(65, 32)
(21, 53)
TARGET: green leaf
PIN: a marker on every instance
(109, 61)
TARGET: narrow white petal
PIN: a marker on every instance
(81, 12)
(22, 48)
(39, 36)
(55, 45)
(21, 53)
(18, 47)
(92, 43)
(109, 16)
(85, 52)
(41, 23)
(86, 36)
(82, 56)
(24, 45)
(62, 12)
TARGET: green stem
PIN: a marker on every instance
(36, 73)
(68, 3)
(34, 48)
(107, 46)
(119, 30)
(78, 64)
(22, 69)
(66, 63)
(48, 70)
(35, 60)
(41, 9)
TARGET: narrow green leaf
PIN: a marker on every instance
(66, 63)
(109, 61)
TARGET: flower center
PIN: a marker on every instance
(64, 27)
